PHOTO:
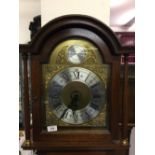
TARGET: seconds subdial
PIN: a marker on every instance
(76, 54)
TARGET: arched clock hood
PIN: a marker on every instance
(71, 26)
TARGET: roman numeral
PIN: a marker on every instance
(65, 76)
(75, 116)
(87, 77)
(95, 86)
(76, 74)
(95, 106)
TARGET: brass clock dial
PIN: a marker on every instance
(76, 54)
(76, 95)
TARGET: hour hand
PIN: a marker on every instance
(75, 99)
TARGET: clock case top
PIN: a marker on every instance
(40, 48)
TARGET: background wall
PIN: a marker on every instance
(51, 9)
(119, 14)
(27, 10)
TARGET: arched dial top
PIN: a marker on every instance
(76, 95)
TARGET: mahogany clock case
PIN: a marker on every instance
(78, 140)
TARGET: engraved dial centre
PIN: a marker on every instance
(76, 95)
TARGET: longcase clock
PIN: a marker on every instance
(74, 63)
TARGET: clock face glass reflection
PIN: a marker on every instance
(76, 54)
(76, 95)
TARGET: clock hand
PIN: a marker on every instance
(75, 98)
(74, 51)
(63, 113)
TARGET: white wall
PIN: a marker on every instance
(27, 10)
(51, 9)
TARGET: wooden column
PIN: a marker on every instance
(26, 100)
(125, 103)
